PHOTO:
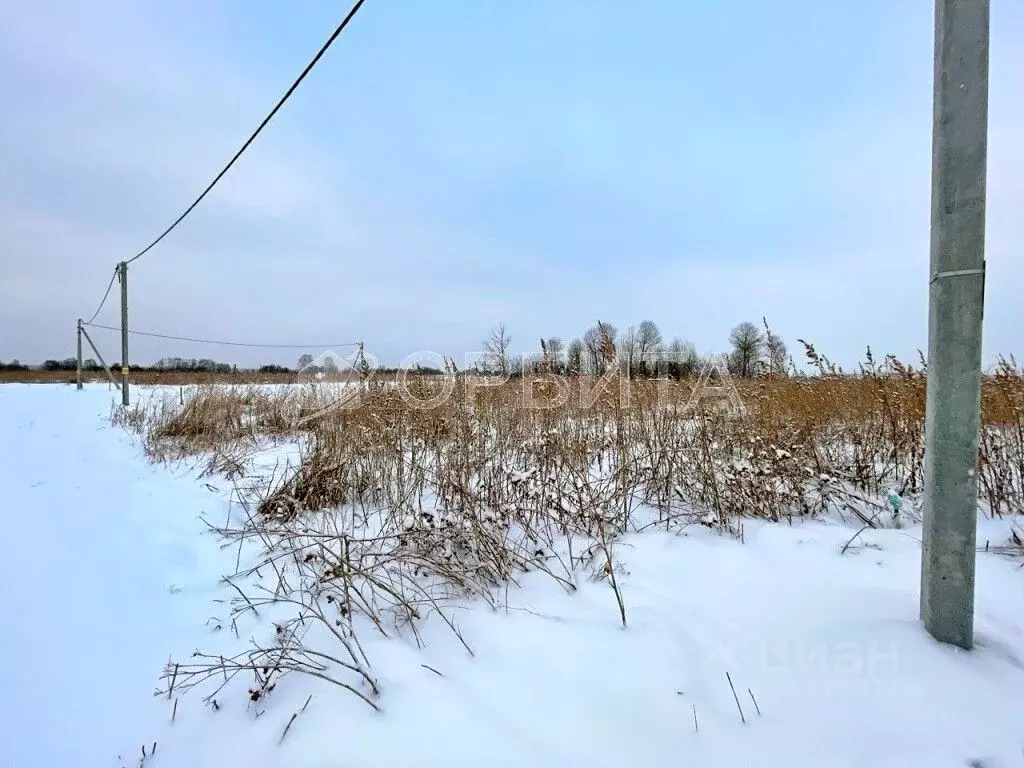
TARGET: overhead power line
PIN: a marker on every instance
(122, 267)
(323, 49)
(227, 343)
(104, 299)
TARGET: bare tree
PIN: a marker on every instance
(535, 363)
(628, 351)
(592, 344)
(556, 353)
(775, 351)
(682, 359)
(599, 341)
(305, 361)
(574, 358)
(607, 344)
(648, 343)
(496, 349)
(748, 347)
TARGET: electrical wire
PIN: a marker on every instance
(104, 299)
(227, 343)
(323, 49)
(302, 76)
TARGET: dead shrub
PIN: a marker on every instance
(395, 511)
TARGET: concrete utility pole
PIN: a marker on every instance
(956, 299)
(78, 369)
(123, 269)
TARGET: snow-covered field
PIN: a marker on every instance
(109, 570)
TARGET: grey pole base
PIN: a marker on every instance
(956, 299)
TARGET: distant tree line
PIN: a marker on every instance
(191, 365)
(640, 351)
(90, 365)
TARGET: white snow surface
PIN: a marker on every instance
(108, 572)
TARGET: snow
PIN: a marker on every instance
(97, 540)
(109, 571)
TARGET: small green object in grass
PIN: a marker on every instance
(895, 501)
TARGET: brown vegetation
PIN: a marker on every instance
(394, 511)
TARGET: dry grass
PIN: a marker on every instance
(394, 512)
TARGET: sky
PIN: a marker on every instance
(452, 165)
